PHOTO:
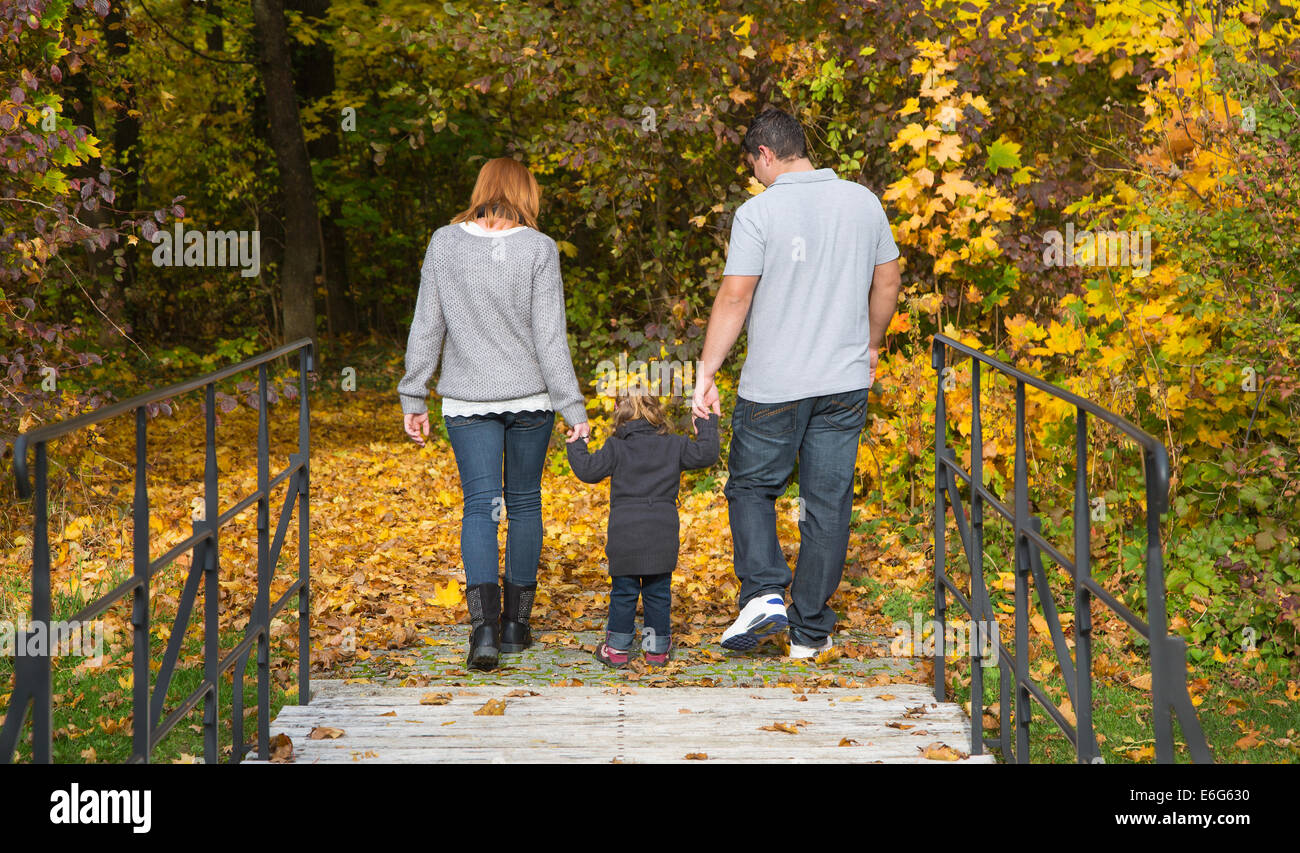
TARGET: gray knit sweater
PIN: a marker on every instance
(493, 308)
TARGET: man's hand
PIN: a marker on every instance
(706, 398)
(581, 430)
(873, 356)
(417, 427)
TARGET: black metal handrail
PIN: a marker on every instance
(1168, 653)
(32, 673)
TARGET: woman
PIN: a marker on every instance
(491, 304)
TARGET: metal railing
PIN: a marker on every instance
(32, 673)
(1168, 653)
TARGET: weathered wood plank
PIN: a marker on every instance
(603, 724)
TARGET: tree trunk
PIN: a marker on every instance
(126, 156)
(313, 67)
(301, 227)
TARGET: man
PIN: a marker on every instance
(813, 269)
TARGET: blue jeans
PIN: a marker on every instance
(490, 449)
(821, 434)
(656, 600)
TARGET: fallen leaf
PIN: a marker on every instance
(848, 741)
(829, 656)
(435, 699)
(780, 727)
(389, 714)
(942, 752)
(1145, 753)
(854, 698)
(449, 723)
(897, 725)
(1142, 682)
(325, 732)
(519, 694)
(492, 708)
(885, 696)
(697, 756)
(281, 749)
(685, 711)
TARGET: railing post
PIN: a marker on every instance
(305, 359)
(211, 579)
(976, 556)
(1022, 582)
(1082, 597)
(140, 653)
(43, 689)
(262, 616)
(940, 513)
(1161, 692)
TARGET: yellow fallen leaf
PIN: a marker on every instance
(325, 732)
(697, 756)
(492, 708)
(447, 596)
(435, 699)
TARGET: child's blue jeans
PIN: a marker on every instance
(655, 592)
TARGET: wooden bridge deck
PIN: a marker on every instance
(894, 723)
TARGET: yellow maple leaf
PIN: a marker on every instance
(449, 595)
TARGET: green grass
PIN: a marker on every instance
(77, 722)
(1123, 715)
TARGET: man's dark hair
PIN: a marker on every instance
(779, 131)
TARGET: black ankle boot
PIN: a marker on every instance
(515, 632)
(484, 601)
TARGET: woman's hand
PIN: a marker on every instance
(417, 427)
(581, 430)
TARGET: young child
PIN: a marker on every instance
(644, 462)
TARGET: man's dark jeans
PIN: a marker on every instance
(495, 454)
(656, 602)
(821, 433)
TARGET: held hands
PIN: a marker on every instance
(581, 430)
(417, 427)
(705, 399)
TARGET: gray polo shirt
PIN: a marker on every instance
(815, 241)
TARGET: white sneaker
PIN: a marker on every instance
(798, 652)
(762, 617)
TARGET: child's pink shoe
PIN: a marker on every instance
(611, 657)
(658, 658)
